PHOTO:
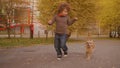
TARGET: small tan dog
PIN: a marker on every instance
(89, 47)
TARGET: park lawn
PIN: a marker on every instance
(21, 42)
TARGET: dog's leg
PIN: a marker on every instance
(88, 55)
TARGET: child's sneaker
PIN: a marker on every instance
(65, 54)
(59, 57)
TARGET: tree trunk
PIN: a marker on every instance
(14, 32)
(8, 30)
(77, 34)
(31, 31)
(38, 34)
(110, 32)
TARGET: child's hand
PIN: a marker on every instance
(50, 22)
(76, 18)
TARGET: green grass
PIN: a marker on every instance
(21, 42)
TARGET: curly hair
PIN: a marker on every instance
(63, 6)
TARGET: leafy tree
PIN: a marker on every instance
(7, 8)
(108, 15)
(85, 10)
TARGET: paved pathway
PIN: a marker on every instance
(106, 55)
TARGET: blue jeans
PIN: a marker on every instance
(60, 43)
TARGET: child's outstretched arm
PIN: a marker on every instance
(71, 21)
(50, 22)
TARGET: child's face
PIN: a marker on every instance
(65, 12)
